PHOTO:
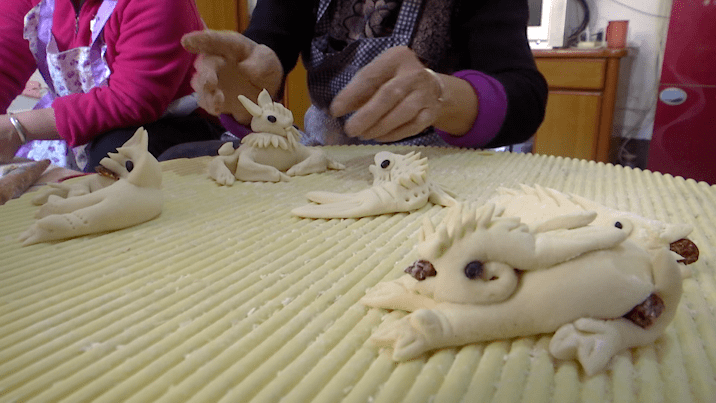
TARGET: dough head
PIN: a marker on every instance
(134, 163)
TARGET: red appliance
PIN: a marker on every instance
(684, 138)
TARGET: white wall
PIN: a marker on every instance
(639, 75)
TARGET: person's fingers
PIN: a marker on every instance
(228, 44)
(411, 128)
(383, 101)
(406, 102)
(366, 83)
(207, 68)
(228, 65)
(211, 102)
(409, 116)
(205, 83)
(260, 72)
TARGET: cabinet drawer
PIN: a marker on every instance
(573, 73)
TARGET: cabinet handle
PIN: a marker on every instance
(673, 96)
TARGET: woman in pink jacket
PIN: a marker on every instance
(110, 65)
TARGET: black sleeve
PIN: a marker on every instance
(491, 36)
(286, 26)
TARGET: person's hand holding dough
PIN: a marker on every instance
(229, 65)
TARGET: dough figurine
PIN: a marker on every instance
(484, 275)
(536, 204)
(272, 153)
(400, 184)
(126, 192)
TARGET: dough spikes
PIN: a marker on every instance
(400, 184)
(534, 261)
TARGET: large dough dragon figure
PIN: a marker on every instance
(125, 193)
(536, 261)
(400, 184)
(272, 153)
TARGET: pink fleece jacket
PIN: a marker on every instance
(149, 68)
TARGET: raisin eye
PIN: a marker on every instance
(271, 118)
(618, 225)
(385, 164)
(129, 165)
(473, 269)
(421, 270)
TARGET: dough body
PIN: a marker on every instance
(99, 204)
(400, 184)
(497, 277)
(272, 153)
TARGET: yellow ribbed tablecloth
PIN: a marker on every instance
(227, 297)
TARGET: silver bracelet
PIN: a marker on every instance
(18, 128)
(440, 84)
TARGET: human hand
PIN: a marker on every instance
(393, 97)
(230, 64)
(9, 140)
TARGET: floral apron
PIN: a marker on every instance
(330, 70)
(73, 71)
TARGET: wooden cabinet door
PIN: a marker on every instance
(231, 15)
(295, 95)
(570, 126)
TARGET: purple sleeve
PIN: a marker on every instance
(492, 101)
(234, 127)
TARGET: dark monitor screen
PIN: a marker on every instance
(535, 13)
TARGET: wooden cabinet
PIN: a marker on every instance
(295, 94)
(231, 15)
(580, 109)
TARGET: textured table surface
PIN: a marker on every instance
(227, 297)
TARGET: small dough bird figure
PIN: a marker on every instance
(400, 184)
(125, 193)
(272, 153)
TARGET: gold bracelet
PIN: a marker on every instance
(18, 128)
(440, 84)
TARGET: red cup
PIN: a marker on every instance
(617, 34)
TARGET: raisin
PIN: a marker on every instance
(645, 314)
(421, 270)
(686, 249)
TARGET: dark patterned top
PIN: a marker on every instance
(489, 36)
(365, 18)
